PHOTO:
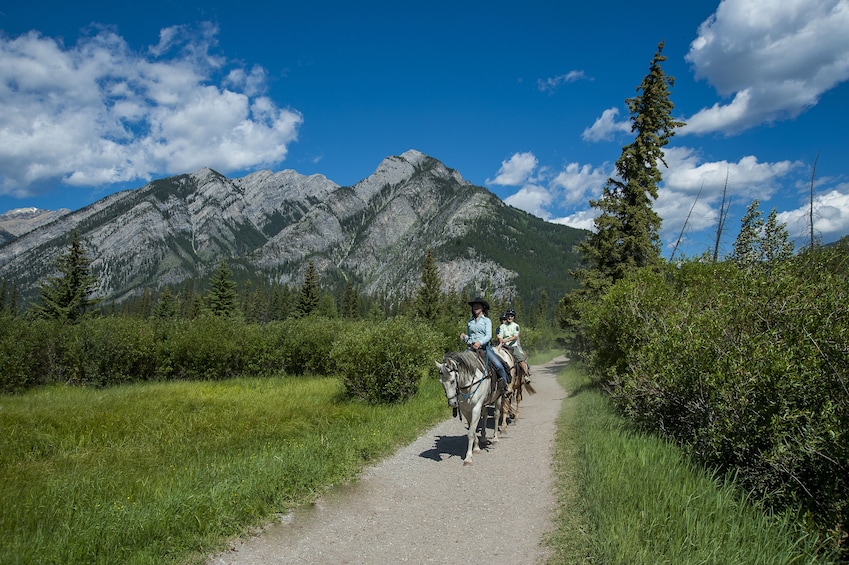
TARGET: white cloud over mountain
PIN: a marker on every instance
(97, 112)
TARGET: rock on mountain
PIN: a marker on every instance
(374, 233)
(16, 223)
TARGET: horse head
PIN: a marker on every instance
(448, 378)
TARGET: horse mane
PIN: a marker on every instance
(469, 360)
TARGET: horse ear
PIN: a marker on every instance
(438, 365)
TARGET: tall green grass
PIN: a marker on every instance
(164, 472)
(630, 498)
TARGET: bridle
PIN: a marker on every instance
(458, 388)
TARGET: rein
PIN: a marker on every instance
(473, 383)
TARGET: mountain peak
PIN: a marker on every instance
(398, 169)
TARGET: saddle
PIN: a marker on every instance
(505, 353)
(507, 359)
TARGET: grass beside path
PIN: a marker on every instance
(629, 498)
(165, 472)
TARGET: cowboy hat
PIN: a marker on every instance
(481, 301)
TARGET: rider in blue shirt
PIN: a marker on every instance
(479, 333)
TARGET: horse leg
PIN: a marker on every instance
(500, 417)
(474, 421)
(518, 396)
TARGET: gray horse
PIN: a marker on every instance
(470, 389)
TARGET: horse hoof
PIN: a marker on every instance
(467, 463)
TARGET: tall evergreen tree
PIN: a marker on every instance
(429, 295)
(221, 297)
(309, 294)
(167, 306)
(627, 230)
(776, 244)
(747, 251)
(350, 301)
(761, 242)
(68, 296)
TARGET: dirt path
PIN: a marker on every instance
(422, 505)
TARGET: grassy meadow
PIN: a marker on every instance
(158, 473)
(165, 472)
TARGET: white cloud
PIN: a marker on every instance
(516, 170)
(580, 182)
(552, 83)
(98, 113)
(533, 199)
(747, 178)
(606, 127)
(692, 190)
(774, 57)
(543, 191)
(831, 216)
(582, 220)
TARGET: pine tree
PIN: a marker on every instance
(761, 243)
(429, 295)
(747, 251)
(221, 297)
(776, 244)
(167, 306)
(350, 301)
(627, 230)
(309, 294)
(68, 296)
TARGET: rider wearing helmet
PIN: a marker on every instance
(508, 332)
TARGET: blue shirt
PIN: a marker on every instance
(479, 329)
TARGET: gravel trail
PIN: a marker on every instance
(421, 505)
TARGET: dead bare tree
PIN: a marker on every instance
(687, 219)
(811, 213)
(724, 206)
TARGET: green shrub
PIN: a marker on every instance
(205, 348)
(108, 351)
(28, 352)
(384, 362)
(748, 369)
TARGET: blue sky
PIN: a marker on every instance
(524, 98)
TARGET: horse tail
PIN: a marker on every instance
(529, 387)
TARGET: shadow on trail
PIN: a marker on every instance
(554, 366)
(451, 446)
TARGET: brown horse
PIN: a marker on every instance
(518, 383)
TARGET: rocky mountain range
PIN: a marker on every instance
(374, 234)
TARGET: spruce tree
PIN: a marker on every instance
(761, 242)
(167, 306)
(221, 297)
(309, 294)
(350, 301)
(627, 230)
(429, 295)
(776, 244)
(747, 252)
(68, 296)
